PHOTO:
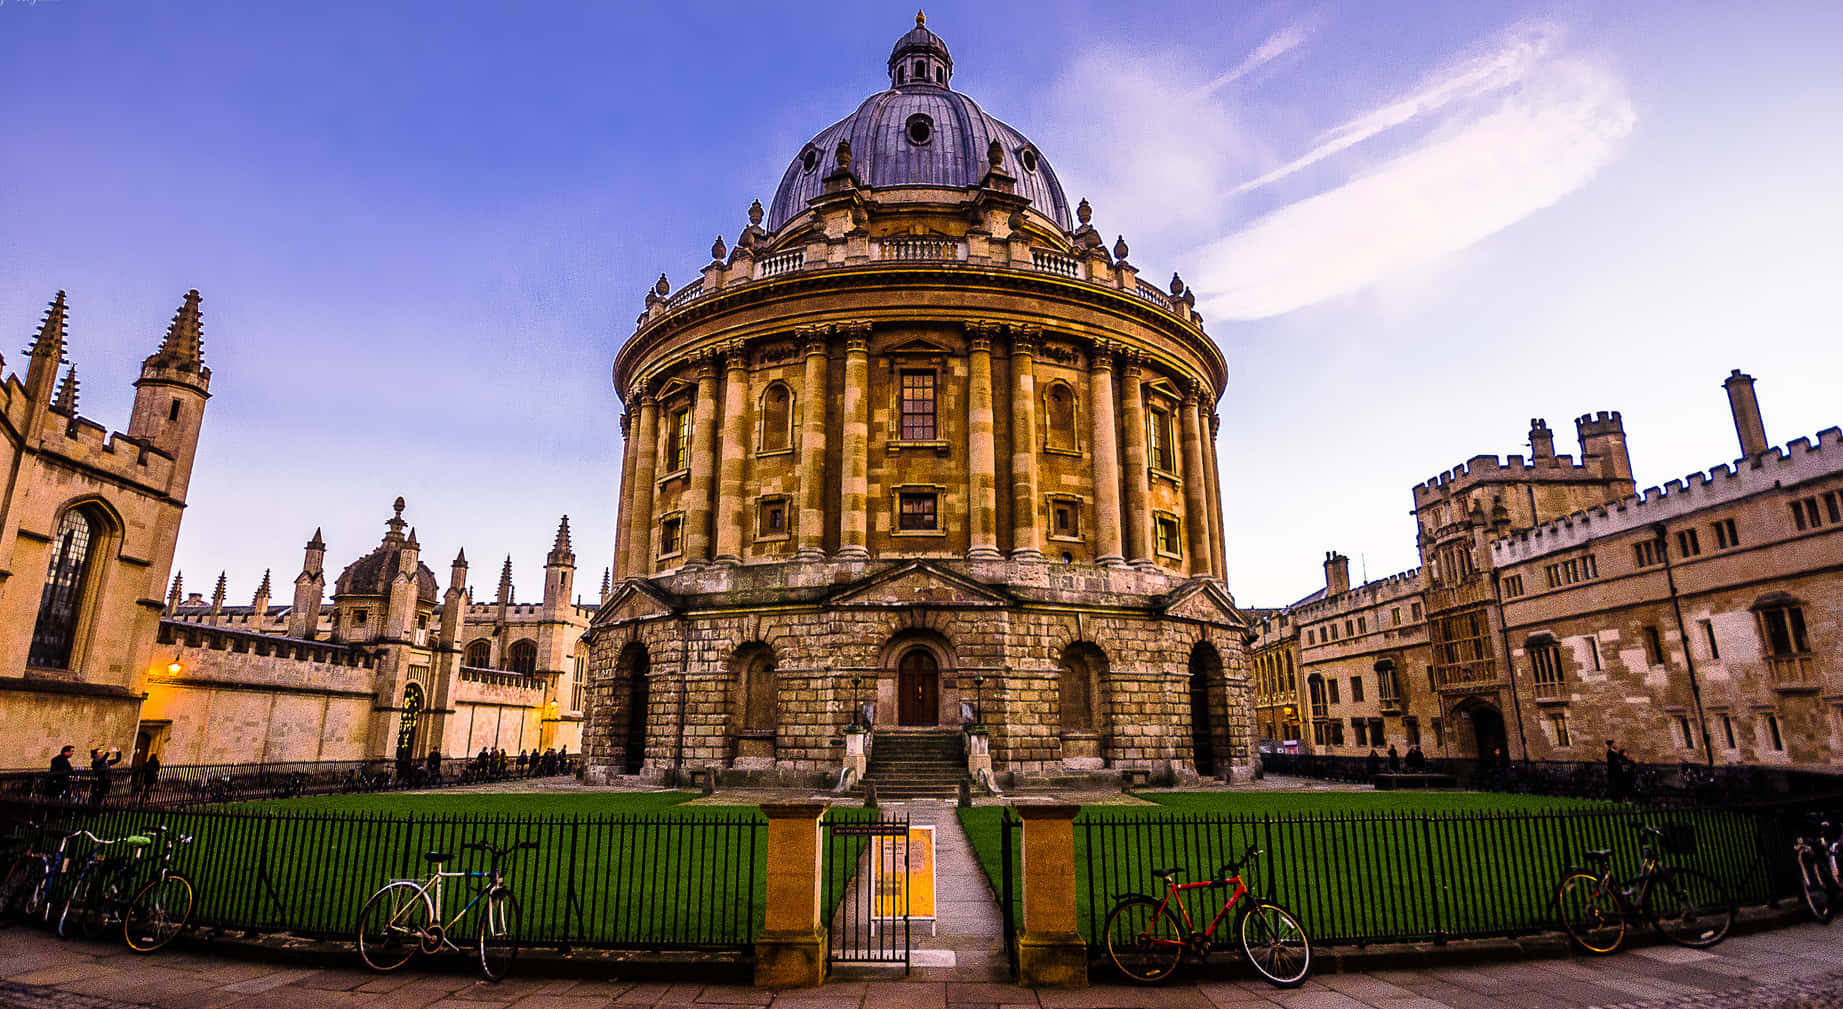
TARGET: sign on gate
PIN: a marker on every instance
(904, 866)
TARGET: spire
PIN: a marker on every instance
(607, 583)
(66, 403)
(560, 552)
(505, 582)
(175, 594)
(460, 559)
(46, 352)
(316, 543)
(412, 540)
(217, 594)
(395, 522)
(185, 338)
(262, 591)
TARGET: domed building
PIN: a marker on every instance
(919, 450)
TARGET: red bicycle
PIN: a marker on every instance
(1147, 937)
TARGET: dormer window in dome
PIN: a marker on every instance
(1028, 158)
(809, 160)
(920, 129)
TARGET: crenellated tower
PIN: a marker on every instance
(170, 395)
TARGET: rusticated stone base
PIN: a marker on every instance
(790, 959)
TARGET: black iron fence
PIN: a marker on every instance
(1657, 784)
(1355, 879)
(180, 784)
(865, 886)
(688, 881)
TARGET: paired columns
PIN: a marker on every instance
(731, 496)
(1198, 534)
(810, 544)
(1106, 456)
(981, 448)
(1138, 515)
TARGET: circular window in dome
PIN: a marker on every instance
(920, 129)
(809, 160)
(1028, 158)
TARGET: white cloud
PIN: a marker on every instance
(1275, 46)
(1519, 130)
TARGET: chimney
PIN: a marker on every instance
(1337, 574)
(1746, 407)
(1541, 439)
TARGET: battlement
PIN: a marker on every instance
(1604, 422)
(1798, 461)
(131, 460)
(1371, 593)
(1489, 468)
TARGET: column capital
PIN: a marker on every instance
(858, 329)
(627, 418)
(813, 340)
(1101, 355)
(1024, 339)
(1192, 391)
(704, 362)
(646, 397)
(979, 343)
(736, 355)
(982, 329)
(1132, 363)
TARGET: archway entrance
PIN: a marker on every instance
(412, 716)
(1204, 665)
(1488, 735)
(633, 741)
(918, 688)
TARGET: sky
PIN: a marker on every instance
(422, 230)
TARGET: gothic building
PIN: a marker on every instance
(920, 444)
(395, 660)
(88, 520)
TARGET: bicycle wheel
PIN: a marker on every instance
(16, 888)
(157, 913)
(1143, 944)
(105, 904)
(1690, 908)
(499, 933)
(1816, 888)
(74, 903)
(1589, 914)
(392, 925)
(1276, 945)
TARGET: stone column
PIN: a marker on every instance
(1050, 951)
(625, 516)
(791, 950)
(854, 488)
(699, 496)
(1218, 542)
(811, 540)
(646, 473)
(981, 450)
(1138, 515)
(1106, 455)
(1026, 537)
(732, 501)
(1201, 548)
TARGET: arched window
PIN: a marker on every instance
(479, 654)
(1078, 683)
(412, 713)
(61, 602)
(759, 703)
(522, 657)
(1059, 417)
(777, 418)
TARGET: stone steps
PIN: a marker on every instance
(915, 765)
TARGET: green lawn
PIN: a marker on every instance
(1368, 866)
(623, 870)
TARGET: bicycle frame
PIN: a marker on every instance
(431, 889)
(1173, 889)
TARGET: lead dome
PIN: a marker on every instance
(919, 132)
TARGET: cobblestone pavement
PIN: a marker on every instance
(1792, 968)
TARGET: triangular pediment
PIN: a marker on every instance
(633, 600)
(674, 387)
(1161, 387)
(918, 345)
(918, 584)
(1204, 602)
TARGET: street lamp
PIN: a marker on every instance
(978, 682)
(857, 702)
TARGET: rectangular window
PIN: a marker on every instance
(1805, 514)
(1593, 654)
(1649, 553)
(1725, 535)
(1331, 688)
(1513, 587)
(1362, 625)
(1687, 543)
(1347, 627)
(1558, 727)
(671, 539)
(1784, 629)
(1416, 614)
(678, 441)
(918, 406)
(360, 616)
(1708, 636)
(1546, 660)
(1065, 518)
(1158, 435)
(917, 510)
(1654, 645)
(1337, 733)
(1727, 732)
(772, 518)
(1833, 505)
(1685, 739)
(1356, 690)
(1311, 637)
(1772, 734)
(1166, 528)
(1413, 728)
(1395, 615)
(1376, 738)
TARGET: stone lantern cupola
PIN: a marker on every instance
(920, 58)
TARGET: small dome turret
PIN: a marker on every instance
(920, 58)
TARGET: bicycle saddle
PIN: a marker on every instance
(436, 857)
(1601, 853)
(1167, 873)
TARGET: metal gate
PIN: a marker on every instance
(865, 889)
(1010, 837)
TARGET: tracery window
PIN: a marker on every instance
(522, 657)
(479, 654)
(60, 603)
(918, 406)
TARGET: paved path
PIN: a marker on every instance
(1794, 968)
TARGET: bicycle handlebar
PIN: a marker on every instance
(1232, 868)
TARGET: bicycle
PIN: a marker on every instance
(1146, 939)
(159, 910)
(96, 899)
(1686, 906)
(36, 879)
(1817, 854)
(405, 915)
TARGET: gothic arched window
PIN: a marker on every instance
(61, 602)
(522, 657)
(777, 418)
(1059, 418)
(479, 654)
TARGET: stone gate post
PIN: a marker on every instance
(1050, 951)
(791, 950)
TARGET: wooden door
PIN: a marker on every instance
(918, 684)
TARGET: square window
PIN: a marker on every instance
(916, 510)
(917, 406)
(671, 537)
(359, 616)
(771, 518)
(1065, 518)
(1167, 534)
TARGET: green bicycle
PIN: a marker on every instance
(405, 916)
